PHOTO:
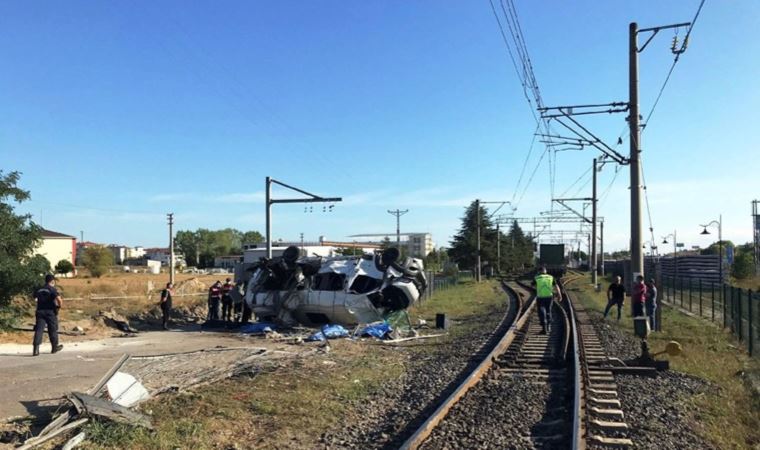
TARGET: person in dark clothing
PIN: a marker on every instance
(238, 303)
(48, 304)
(227, 288)
(651, 303)
(639, 297)
(615, 297)
(214, 300)
(166, 304)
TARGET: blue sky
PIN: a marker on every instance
(117, 113)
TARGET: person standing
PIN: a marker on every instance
(227, 288)
(166, 304)
(48, 304)
(214, 299)
(651, 302)
(615, 296)
(546, 288)
(639, 296)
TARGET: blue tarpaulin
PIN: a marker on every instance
(378, 330)
(259, 327)
(329, 332)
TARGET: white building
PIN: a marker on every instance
(56, 247)
(417, 245)
(163, 255)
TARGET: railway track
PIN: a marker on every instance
(533, 390)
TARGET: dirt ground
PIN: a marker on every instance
(133, 297)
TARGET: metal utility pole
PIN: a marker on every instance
(398, 213)
(498, 249)
(637, 258)
(756, 234)
(301, 243)
(601, 245)
(170, 217)
(594, 263)
(269, 202)
(477, 263)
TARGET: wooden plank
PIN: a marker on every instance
(42, 439)
(96, 406)
(73, 442)
(95, 389)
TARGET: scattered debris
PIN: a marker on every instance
(135, 379)
(96, 406)
(258, 327)
(73, 442)
(125, 390)
(114, 320)
(329, 332)
(379, 330)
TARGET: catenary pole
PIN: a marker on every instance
(170, 216)
(637, 258)
(594, 260)
(477, 262)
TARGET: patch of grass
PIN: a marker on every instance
(465, 300)
(728, 416)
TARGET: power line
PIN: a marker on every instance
(525, 163)
(675, 61)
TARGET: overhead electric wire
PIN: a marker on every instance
(525, 163)
(514, 40)
(656, 102)
(576, 181)
(675, 61)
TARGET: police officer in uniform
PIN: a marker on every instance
(214, 300)
(227, 288)
(166, 304)
(48, 304)
(546, 287)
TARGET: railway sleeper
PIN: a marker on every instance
(607, 412)
(611, 442)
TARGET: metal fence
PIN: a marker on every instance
(440, 282)
(732, 307)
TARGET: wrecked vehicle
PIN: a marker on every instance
(347, 289)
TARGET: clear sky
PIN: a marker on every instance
(118, 112)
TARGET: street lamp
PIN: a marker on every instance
(719, 224)
(675, 250)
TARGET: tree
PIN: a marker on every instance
(463, 249)
(436, 260)
(201, 246)
(64, 266)
(516, 249)
(349, 251)
(97, 259)
(714, 248)
(252, 237)
(743, 266)
(20, 270)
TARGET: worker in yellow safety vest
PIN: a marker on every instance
(546, 289)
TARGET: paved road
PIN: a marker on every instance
(30, 385)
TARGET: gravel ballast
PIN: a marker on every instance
(432, 372)
(656, 409)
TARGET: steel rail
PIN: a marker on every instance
(423, 432)
(579, 388)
